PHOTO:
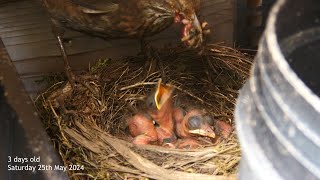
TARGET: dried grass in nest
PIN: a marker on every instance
(88, 124)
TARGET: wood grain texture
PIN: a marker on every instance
(26, 33)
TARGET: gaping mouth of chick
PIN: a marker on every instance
(163, 93)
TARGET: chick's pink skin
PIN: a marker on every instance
(188, 143)
(164, 136)
(142, 129)
(224, 129)
(182, 129)
(178, 117)
(188, 140)
(164, 118)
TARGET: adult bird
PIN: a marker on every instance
(112, 19)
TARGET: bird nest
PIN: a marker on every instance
(88, 124)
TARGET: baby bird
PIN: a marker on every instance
(142, 129)
(192, 124)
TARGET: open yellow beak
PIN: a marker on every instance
(163, 93)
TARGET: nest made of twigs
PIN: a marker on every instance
(87, 124)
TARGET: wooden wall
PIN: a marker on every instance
(26, 33)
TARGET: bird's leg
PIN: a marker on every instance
(152, 57)
(70, 75)
(160, 65)
(143, 45)
(145, 51)
(58, 31)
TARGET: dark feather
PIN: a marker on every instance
(96, 6)
(112, 19)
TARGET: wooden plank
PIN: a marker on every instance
(40, 66)
(50, 48)
(32, 38)
(28, 39)
(30, 31)
(18, 14)
(22, 11)
(22, 132)
(17, 5)
(37, 12)
(33, 85)
(20, 6)
(30, 18)
(78, 45)
(219, 15)
(13, 30)
(26, 31)
(6, 1)
(22, 23)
